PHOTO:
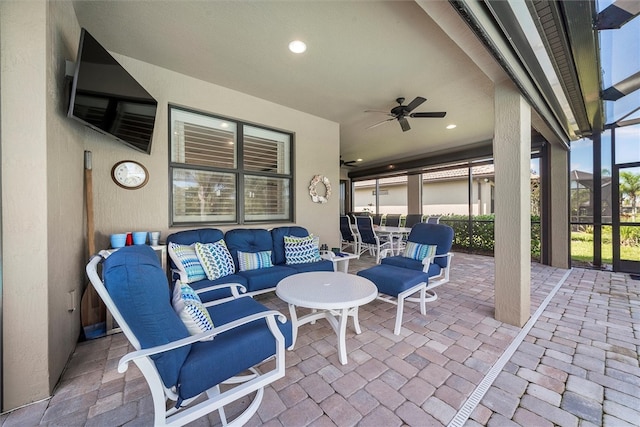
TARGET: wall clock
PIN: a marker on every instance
(129, 174)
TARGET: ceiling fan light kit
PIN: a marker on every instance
(400, 113)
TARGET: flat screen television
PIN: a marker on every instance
(105, 97)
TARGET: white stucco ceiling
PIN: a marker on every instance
(361, 55)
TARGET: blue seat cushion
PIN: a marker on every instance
(139, 288)
(277, 236)
(411, 264)
(264, 278)
(392, 280)
(323, 265)
(248, 240)
(218, 293)
(434, 234)
(230, 353)
(189, 237)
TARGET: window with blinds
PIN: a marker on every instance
(227, 171)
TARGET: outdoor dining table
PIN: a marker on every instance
(392, 233)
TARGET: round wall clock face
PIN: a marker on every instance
(129, 174)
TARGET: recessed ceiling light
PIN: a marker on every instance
(451, 126)
(358, 160)
(297, 46)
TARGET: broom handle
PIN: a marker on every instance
(88, 178)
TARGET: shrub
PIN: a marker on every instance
(482, 239)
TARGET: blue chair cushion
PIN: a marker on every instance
(433, 234)
(218, 293)
(248, 240)
(264, 278)
(230, 353)
(188, 237)
(277, 236)
(323, 265)
(392, 280)
(139, 288)
(411, 264)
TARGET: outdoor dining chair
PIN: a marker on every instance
(187, 351)
(369, 240)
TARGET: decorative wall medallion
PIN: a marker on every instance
(317, 179)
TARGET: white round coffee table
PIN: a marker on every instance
(330, 295)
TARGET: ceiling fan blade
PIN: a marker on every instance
(436, 114)
(377, 111)
(413, 104)
(404, 124)
(380, 123)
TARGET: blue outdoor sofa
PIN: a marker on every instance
(248, 240)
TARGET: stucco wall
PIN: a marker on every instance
(43, 227)
(24, 202)
(118, 210)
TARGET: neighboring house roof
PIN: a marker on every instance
(483, 171)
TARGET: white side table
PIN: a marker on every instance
(330, 295)
(340, 263)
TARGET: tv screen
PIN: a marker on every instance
(105, 97)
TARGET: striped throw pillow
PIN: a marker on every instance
(418, 251)
(254, 260)
(185, 258)
(215, 259)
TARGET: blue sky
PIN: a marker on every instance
(620, 58)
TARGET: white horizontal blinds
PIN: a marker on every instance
(134, 123)
(200, 140)
(266, 150)
(266, 198)
(209, 163)
(203, 196)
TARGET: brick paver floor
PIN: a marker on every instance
(577, 366)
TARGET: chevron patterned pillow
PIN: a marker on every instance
(301, 250)
(192, 312)
(215, 259)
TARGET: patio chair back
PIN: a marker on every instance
(392, 220)
(412, 219)
(433, 220)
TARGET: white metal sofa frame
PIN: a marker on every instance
(215, 399)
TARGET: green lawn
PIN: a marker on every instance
(583, 251)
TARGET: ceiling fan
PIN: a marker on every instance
(401, 112)
(349, 163)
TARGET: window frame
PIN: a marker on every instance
(239, 172)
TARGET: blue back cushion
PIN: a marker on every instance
(248, 240)
(433, 234)
(277, 235)
(188, 237)
(138, 286)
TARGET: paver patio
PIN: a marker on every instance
(578, 365)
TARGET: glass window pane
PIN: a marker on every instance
(606, 168)
(202, 140)
(364, 196)
(393, 195)
(627, 144)
(446, 192)
(266, 151)
(266, 198)
(581, 182)
(202, 196)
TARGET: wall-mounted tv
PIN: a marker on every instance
(105, 97)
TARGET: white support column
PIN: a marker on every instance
(512, 158)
